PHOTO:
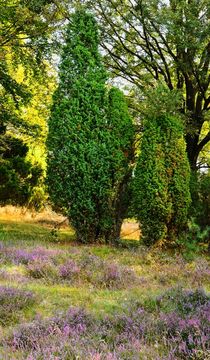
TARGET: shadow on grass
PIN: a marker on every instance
(128, 244)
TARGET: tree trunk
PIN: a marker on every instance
(113, 235)
(120, 208)
(192, 152)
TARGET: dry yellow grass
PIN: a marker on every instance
(130, 231)
(15, 213)
(47, 217)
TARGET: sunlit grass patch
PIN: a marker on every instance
(55, 297)
(12, 232)
(34, 233)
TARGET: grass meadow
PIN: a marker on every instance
(62, 300)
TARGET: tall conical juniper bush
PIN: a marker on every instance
(82, 158)
(161, 185)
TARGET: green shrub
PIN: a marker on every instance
(88, 160)
(200, 190)
(161, 185)
(77, 156)
(18, 175)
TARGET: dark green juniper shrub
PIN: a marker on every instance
(77, 166)
(204, 198)
(193, 242)
(88, 159)
(161, 185)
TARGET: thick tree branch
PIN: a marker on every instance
(206, 104)
(121, 41)
(203, 142)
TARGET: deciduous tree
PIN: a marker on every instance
(24, 34)
(146, 41)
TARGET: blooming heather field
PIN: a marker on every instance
(60, 300)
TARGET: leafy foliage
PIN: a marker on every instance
(34, 115)
(22, 40)
(200, 188)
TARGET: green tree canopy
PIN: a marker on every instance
(25, 30)
(153, 40)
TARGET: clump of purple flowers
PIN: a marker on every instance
(69, 271)
(185, 324)
(186, 337)
(26, 256)
(42, 270)
(12, 276)
(88, 262)
(104, 274)
(201, 272)
(183, 301)
(74, 323)
(111, 276)
(190, 300)
(78, 334)
(115, 276)
(12, 300)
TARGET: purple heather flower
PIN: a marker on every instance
(69, 270)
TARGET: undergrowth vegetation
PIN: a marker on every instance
(60, 300)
